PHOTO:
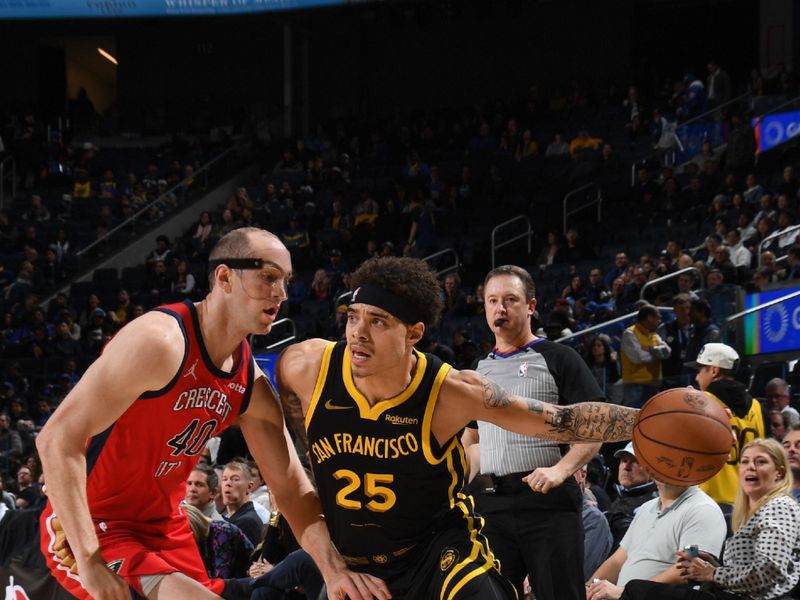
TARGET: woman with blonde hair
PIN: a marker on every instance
(762, 559)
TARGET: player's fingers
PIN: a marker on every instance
(378, 587)
(357, 590)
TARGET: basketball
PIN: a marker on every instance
(682, 436)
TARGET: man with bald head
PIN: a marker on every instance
(164, 385)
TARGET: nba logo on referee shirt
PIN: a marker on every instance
(523, 370)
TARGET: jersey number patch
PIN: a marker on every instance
(382, 498)
(192, 440)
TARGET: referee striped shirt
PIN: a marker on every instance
(544, 371)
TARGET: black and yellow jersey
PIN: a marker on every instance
(384, 482)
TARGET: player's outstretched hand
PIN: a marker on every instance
(101, 582)
(357, 586)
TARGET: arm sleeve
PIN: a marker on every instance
(770, 557)
(633, 350)
(661, 349)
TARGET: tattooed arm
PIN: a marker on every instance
(295, 387)
(468, 396)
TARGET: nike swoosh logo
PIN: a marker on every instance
(331, 406)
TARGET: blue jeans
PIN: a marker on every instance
(636, 394)
(296, 569)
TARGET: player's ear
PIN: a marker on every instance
(414, 333)
(223, 276)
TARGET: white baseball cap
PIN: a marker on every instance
(716, 355)
(627, 449)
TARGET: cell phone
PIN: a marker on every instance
(692, 551)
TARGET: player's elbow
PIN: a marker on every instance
(46, 440)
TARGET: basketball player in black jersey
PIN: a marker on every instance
(381, 423)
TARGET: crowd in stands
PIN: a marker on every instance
(412, 186)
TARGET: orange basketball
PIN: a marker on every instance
(682, 436)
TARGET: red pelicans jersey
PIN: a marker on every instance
(137, 468)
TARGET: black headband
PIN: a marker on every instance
(381, 298)
(236, 263)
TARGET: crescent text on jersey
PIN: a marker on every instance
(365, 445)
(204, 397)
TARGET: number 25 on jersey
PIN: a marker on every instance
(381, 497)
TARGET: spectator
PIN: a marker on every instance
(634, 488)
(27, 492)
(740, 256)
(704, 330)
(597, 540)
(228, 222)
(574, 291)
(551, 253)
(678, 517)
(677, 334)
(161, 252)
(321, 286)
(558, 147)
(465, 349)
(778, 397)
(686, 285)
(422, 234)
(455, 300)
(158, 282)
(202, 489)
(793, 263)
(86, 314)
(583, 142)
(791, 445)
(619, 269)
(719, 296)
(788, 184)
(120, 313)
(746, 226)
(183, 282)
(596, 291)
(236, 485)
(717, 365)
(63, 344)
(10, 444)
(36, 210)
(767, 210)
(718, 85)
(204, 236)
(8, 501)
(633, 288)
(753, 191)
(769, 262)
(761, 560)
(602, 361)
(574, 250)
(642, 351)
(778, 425)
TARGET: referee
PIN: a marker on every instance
(525, 490)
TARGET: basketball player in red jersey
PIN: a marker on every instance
(382, 424)
(118, 450)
